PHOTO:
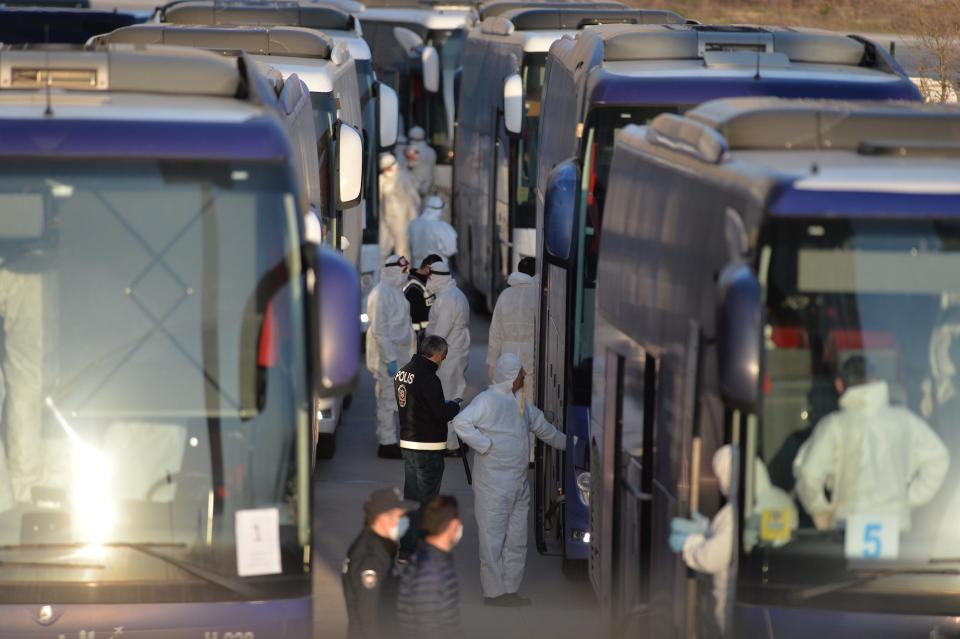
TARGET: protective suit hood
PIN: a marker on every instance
(431, 213)
(722, 460)
(866, 396)
(519, 279)
(440, 277)
(506, 371)
(391, 273)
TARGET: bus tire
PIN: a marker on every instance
(326, 446)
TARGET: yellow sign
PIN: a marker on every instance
(776, 525)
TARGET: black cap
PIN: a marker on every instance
(384, 499)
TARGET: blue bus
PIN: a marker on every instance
(165, 334)
(497, 126)
(754, 251)
(595, 84)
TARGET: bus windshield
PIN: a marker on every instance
(153, 381)
(440, 106)
(596, 156)
(534, 65)
(859, 436)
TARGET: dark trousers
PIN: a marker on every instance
(422, 474)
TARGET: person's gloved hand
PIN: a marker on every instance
(697, 524)
(677, 539)
(392, 368)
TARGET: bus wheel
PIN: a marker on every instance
(326, 446)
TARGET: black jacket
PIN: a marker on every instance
(428, 603)
(415, 291)
(370, 586)
(423, 411)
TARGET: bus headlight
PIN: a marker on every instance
(583, 487)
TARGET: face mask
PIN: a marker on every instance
(457, 536)
(400, 528)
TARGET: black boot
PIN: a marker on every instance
(389, 451)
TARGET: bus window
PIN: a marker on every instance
(860, 412)
(152, 370)
(597, 153)
(534, 65)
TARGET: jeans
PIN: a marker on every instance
(422, 474)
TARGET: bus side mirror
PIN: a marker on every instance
(513, 104)
(349, 166)
(559, 205)
(430, 62)
(389, 116)
(337, 296)
(739, 330)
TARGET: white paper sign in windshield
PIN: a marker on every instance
(258, 542)
(872, 537)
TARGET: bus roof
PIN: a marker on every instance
(438, 19)
(286, 41)
(499, 7)
(337, 24)
(557, 18)
(844, 158)
(689, 64)
(148, 102)
(244, 13)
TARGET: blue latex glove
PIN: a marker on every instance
(698, 524)
(677, 539)
(392, 368)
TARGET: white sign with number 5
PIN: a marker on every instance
(872, 537)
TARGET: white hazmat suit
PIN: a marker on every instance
(877, 459)
(398, 206)
(422, 160)
(429, 234)
(389, 343)
(450, 319)
(709, 549)
(496, 425)
(513, 325)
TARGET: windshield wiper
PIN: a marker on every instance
(239, 588)
(826, 589)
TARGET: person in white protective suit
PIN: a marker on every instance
(429, 234)
(513, 325)
(707, 546)
(389, 345)
(422, 160)
(398, 207)
(450, 319)
(876, 459)
(496, 425)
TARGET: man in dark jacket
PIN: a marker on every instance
(428, 603)
(415, 290)
(424, 414)
(369, 581)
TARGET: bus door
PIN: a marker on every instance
(501, 266)
(549, 463)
